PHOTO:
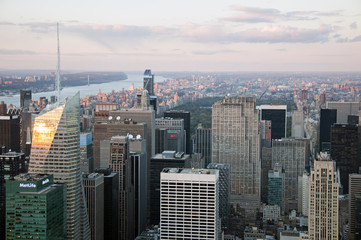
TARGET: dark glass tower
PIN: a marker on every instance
(25, 98)
(10, 132)
(346, 150)
(186, 116)
(277, 114)
(111, 203)
(148, 81)
(328, 117)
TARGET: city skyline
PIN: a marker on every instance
(182, 35)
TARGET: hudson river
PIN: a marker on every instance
(92, 89)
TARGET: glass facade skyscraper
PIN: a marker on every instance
(56, 150)
(36, 208)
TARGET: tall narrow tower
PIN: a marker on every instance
(236, 141)
(58, 65)
(56, 150)
(323, 200)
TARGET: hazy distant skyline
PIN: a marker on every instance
(174, 35)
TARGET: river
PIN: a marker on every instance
(92, 89)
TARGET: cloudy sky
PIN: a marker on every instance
(179, 35)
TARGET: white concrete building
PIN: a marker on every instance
(303, 185)
(189, 204)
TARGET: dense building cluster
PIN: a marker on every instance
(282, 160)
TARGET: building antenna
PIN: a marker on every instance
(58, 65)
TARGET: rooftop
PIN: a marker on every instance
(30, 177)
(190, 170)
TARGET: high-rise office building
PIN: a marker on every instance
(138, 169)
(323, 200)
(25, 98)
(56, 150)
(111, 203)
(203, 143)
(35, 208)
(224, 192)
(11, 164)
(354, 196)
(167, 159)
(277, 114)
(236, 141)
(94, 195)
(297, 124)
(275, 185)
(10, 132)
(117, 125)
(120, 163)
(186, 116)
(343, 109)
(170, 135)
(327, 119)
(148, 81)
(303, 188)
(86, 153)
(266, 133)
(266, 156)
(184, 214)
(293, 155)
(346, 150)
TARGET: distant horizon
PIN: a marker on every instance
(67, 71)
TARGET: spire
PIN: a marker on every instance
(58, 66)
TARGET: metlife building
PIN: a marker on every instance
(35, 207)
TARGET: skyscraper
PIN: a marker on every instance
(277, 114)
(323, 200)
(297, 124)
(148, 81)
(275, 185)
(55, 150)
(186, 116)
(170, 135)
(120, 163)
(10, 132)
(36, 208)
(224, 192)
(236, 141)
(346, 150)
(167, 159)
(111, 203)
(117, 125)
(11, 164)
(354, 197)
(94, 195)
(203, 143)
(344, 109)
(293, 155)
(184, 214)
(303, 188)
(327, 118)
(25, 98)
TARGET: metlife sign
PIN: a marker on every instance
(27, 185)
(45, 181)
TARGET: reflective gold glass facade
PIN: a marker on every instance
(56, 150)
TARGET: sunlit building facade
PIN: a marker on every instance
(55, 150)
(236, 141)
(323, 200)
